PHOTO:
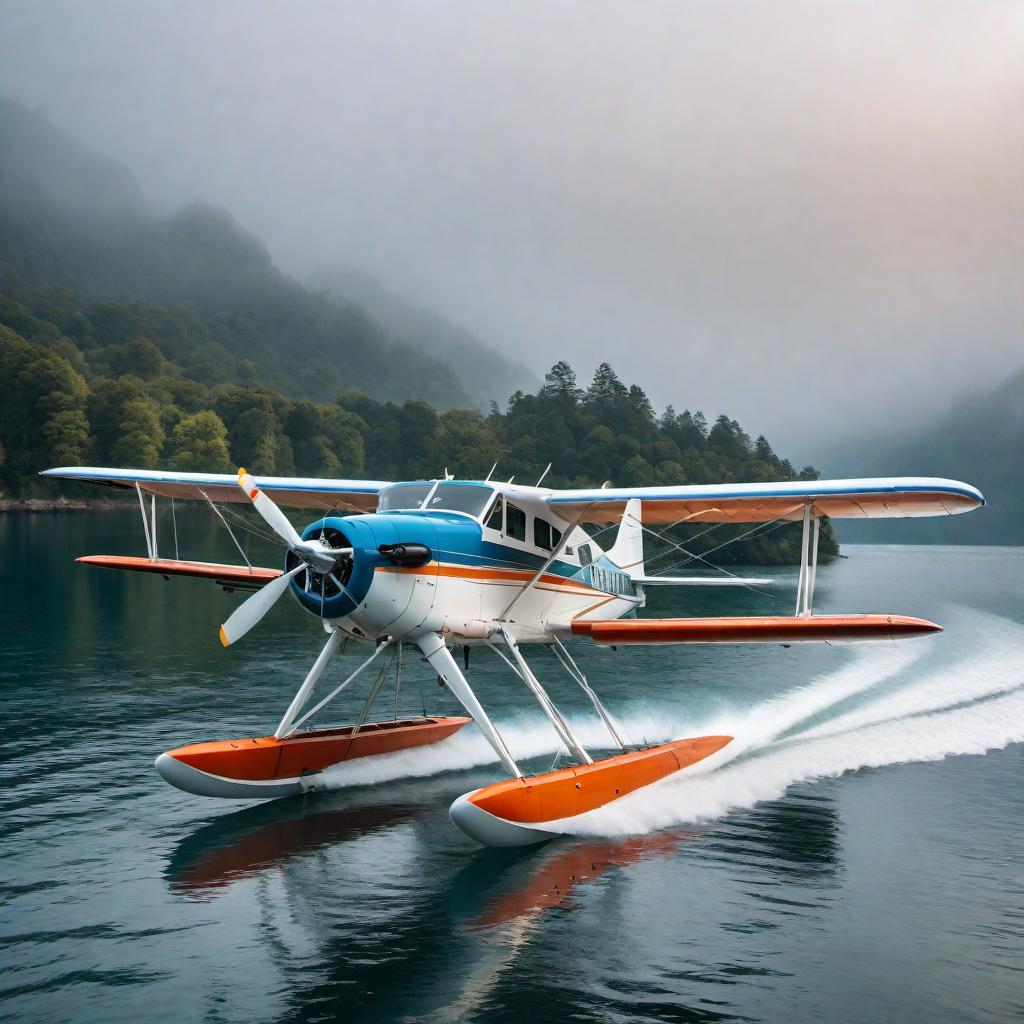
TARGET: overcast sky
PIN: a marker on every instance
(808, 215)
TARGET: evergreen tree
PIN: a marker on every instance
(200, 443)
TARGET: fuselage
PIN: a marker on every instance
(484, 542)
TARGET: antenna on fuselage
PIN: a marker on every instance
(490, 471)
(544, 474)
(511, 478)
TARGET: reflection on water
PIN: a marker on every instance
(551, 877)
(267, 836)
(890, 892)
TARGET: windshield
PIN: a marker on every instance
(468, 498)
(403, 496)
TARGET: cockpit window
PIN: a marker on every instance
(542, 534)
(403, 496)
(468, 498)
(515, 522)
(495, 520)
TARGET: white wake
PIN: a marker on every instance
(888, 705)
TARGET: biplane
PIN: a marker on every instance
(446, 564)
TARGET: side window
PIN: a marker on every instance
(494, 519)
(585, 556)
(515, 522)
(556, 537)
(542, 534)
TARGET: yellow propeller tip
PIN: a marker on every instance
(241, 470)
(224, 637)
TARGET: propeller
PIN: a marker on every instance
(318, 556)
(252, 609)
(311, 554)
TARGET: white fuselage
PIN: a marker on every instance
(483, 563)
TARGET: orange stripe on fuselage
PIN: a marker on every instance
(492, 574)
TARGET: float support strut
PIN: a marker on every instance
(572, 744)
(570, 666)
(306, 688)
(442, 662)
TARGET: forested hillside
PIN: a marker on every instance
(76, 235)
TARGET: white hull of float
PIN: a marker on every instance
(524, 811)
(490, 830)
(199, 783)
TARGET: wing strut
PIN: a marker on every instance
(150, 548)
(808, 561)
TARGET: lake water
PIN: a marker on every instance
(859, 859)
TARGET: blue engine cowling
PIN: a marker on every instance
(366, 535)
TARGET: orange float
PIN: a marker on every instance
(530, 810)
(264, 766)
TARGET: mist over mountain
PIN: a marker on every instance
(979, 439)
(482, 371)
(72, 219)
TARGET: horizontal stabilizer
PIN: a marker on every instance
(240, 575)
(757, 629)
(701, 581)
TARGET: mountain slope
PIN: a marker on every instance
(487, 375)
(72, 219)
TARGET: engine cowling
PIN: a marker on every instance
(378, 542)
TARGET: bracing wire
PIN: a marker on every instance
(691, 557)
(767, 528)
(245, 524)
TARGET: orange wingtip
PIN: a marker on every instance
(224, 637)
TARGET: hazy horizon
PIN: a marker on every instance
(807, 216)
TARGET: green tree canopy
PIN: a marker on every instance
(200, 442)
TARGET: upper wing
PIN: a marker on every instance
(880, 498)
(296, 491)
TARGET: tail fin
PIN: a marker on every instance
(628, 550)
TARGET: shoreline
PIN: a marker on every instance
(60, 505)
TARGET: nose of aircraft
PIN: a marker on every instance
(376, 541)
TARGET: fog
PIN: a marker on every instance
(807, 215)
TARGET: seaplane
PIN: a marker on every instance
(445, 565)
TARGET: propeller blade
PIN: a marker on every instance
(250, 611)
(273, 516)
